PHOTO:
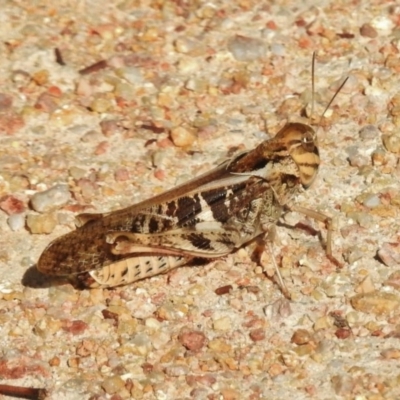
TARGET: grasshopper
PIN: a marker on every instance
(207, 217)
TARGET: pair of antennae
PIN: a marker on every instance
(313, 89)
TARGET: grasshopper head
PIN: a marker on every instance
(301, 143)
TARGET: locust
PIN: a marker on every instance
(207, 217)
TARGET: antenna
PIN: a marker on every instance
(313, 90)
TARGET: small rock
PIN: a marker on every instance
(76, 327)
(257, 335)
(88, 188)
(378, 303)
(101, 104)
(231, 394)
(219, 346)
(389, 254)
(110, 127)
(177, 370)
(369, 132)
(392, 143)
(113, 384)
(11, 205)
(182, 136)
(50, 199)
(301, 336)
(41, 223)
(193, 340)
(46, 103)
(73, 362)
(246, 49)
(353, 254)
(16, 221)
(153, 323)
(372, 200)
(366, 286)
(379, 157)
(394, 280)
(343, 333)
(223, 290)
(222, 324)
(391, 354)
(343, 385)
(368, 30)
(122, 175)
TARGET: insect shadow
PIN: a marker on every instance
(35, 279)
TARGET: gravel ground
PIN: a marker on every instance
(173, 88)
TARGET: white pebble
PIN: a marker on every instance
(246, 49)
(222, 324)
(16, 221)
(50, 199)
(372, 201)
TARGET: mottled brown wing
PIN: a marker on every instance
(86, 248)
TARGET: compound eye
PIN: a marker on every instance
(308, 142)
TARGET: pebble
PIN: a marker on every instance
(383, 23)
(222, 324)
(160, 339)
(301, 336)
(378, 303)
(16, 221)
(372, 200)
(389, 254)
(47, 327)
(51, 199)
(369, 132)
(353, 254)
(88, 188)
(392, 142)
(394, 280)
(380, 157)
(188, 65)
(76, 327)
(367, 30)
(46, 103)
(246, 49)
(391, 354)
(153, 323)
(177, 370)
(193, 340)
(343, 385)
(182, 137)
(41, 223)
(257, 335)
(110, 127)
(77, 173)
(366, 285)
(121, 175)
(113, 384)
(101, 104)
(11, 205)
(219, 345)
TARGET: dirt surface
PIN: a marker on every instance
(173, 88)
